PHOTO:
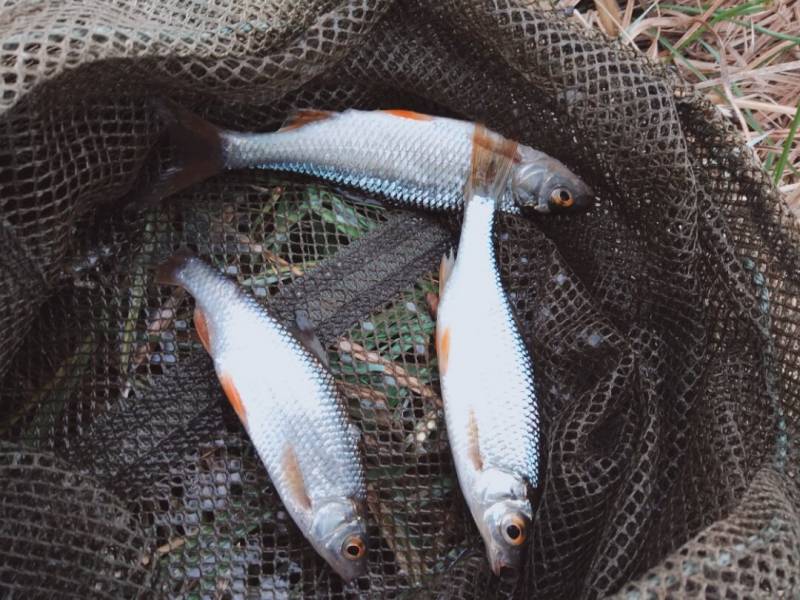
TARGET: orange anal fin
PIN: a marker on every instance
(443, 349)
(293, 476)
(201, 326)
(408, 114)
(473, 442)
(304, 117)
(234, 397)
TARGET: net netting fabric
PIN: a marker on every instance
(661, 323)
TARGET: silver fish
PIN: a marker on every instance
(287, 400)
(411, 159)
(485, 371)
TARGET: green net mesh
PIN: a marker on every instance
(661, 323)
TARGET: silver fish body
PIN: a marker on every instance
(411, 159)
(487, 385)
(421, 161)
(288, 403)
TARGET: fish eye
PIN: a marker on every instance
(562, 197)
(353, 548)
(513, 530)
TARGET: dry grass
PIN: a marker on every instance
(744, 55)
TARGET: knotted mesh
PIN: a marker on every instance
(661, 322)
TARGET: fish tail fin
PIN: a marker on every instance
(167, 273)
(196, 148)
(493, 157)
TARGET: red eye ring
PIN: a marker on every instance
(514, 530)
(353, 548)
(562, 197)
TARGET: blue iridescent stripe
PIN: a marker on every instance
(393, 189)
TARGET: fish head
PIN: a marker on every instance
(505, 519)
(540, 182)
(339, 534)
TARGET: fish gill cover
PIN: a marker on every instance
(661, 322)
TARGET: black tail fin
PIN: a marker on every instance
(167, 272)
(196, 152)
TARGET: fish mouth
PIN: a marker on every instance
(500, 563)
(501, 567)
(352, 572)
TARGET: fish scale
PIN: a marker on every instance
(489, 368)
(486, 373)
(421, 162)
(490, 405)
(407, 158)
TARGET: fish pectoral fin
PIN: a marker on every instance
(293, 476)
(446, 269)
(304, 116)
(443, 348)
(493, 157)
(229, 387)
(473, 442)
(304, 332)
(201, 327)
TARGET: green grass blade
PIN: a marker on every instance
(729, 15)
(787, 147)
(776, 34)
(678, 55)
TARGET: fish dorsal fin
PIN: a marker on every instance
(304, 116)
(408, 114)
(303, 330)
(446, 269)
(293, 476)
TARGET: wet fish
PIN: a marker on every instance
(485, 371)
(277, 381)
(411, 159)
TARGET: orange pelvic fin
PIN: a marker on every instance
(201, 326)
(294, 478)
(443, 349)
(233, 396)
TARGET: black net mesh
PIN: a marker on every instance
(661, 322)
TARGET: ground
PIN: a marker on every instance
(744, 55)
